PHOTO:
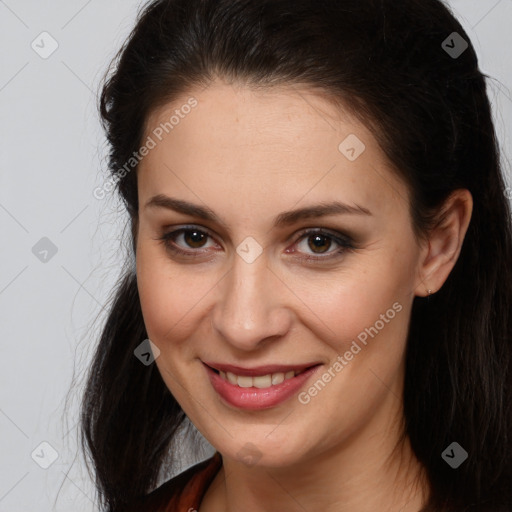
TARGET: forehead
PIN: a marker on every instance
(280, 144)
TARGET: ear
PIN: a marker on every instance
(440, 252)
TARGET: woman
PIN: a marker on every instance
(320, 280)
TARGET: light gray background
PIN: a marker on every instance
(52, 156)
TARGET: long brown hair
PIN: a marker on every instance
(387, 60)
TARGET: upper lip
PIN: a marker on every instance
(258, 370)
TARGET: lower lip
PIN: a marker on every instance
(256, 398)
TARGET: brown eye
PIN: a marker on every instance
(319, 243)
(195, 239)
(187, 241)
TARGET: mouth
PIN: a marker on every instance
(260, 377)
(260, 387)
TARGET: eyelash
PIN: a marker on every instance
(345, 243)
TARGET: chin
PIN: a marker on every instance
(265, 452)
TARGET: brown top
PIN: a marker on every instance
(184, 492)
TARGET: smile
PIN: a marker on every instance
(258, 388)
(261, 382)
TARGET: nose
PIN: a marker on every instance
(251, 307)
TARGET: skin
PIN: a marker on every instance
(248, 156)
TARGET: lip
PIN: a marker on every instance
(254, 398)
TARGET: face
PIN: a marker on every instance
(276, 265)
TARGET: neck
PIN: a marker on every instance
(373, 470)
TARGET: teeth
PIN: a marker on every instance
(244, 382)
(277, 378)
(261, 381)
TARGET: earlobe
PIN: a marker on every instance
(440, 253)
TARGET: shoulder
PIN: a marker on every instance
(182, 492)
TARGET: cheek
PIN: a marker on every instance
(338, 306)
(170, 296)
(344, 304)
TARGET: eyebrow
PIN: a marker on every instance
(283, 219)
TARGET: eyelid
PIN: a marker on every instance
(167, 236)
(345, 242)
(322, 231)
